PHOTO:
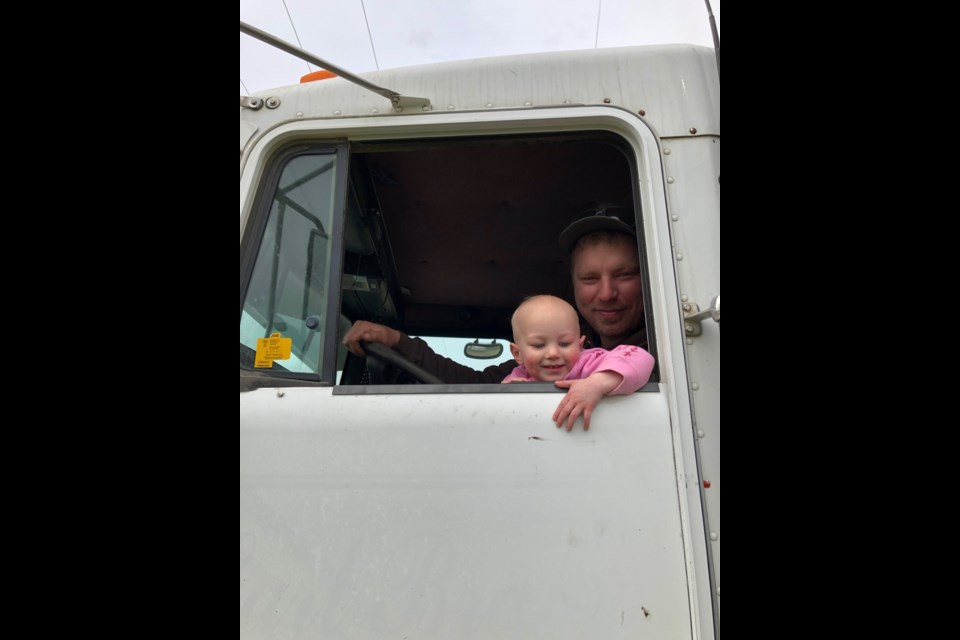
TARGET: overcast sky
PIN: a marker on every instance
(415, 32)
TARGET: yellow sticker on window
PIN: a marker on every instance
(273, 348)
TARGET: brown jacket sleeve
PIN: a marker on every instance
(418, 352)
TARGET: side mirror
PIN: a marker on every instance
(483, 351)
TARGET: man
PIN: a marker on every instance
(608, 290)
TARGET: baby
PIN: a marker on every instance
(548, 346)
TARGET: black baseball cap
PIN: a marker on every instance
(602, 218)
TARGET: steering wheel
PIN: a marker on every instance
(384, 359)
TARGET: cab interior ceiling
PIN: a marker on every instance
(447, 237)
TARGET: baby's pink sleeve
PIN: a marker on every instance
(518, 373)
(633, 363)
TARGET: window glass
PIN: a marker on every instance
(287, 292)
(453, 348)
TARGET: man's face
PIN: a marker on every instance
(608, 288)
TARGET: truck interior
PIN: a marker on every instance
(442, 237)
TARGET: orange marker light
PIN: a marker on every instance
(323, 74)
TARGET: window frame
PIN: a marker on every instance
(253, 238)
(646, 181)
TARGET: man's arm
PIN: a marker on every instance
(419, 352)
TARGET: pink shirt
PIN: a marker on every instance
(633, 363)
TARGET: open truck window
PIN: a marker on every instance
(438, 237)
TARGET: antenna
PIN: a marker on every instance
(716, 36)
(395, 98)
(596, 39)
(295, 34)
(370, 35)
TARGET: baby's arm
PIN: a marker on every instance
(583, 395)
(622, 370)
(632, 363)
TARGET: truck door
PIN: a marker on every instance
(453, 510)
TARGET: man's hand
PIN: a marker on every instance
(583, 396)
(370, 332)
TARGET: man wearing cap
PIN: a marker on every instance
(607, 287)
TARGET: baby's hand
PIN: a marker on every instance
(527, 379)
(583, 396)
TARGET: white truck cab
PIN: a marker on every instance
(374, 504)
